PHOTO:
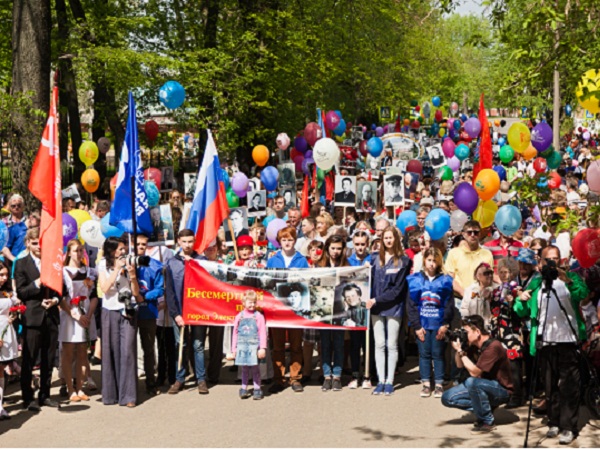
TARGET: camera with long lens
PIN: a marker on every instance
(460, 335)
(137, 261)
(549, 272)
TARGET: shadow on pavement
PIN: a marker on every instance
(376, 435)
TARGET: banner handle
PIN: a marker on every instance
(235, 249)
(181, 337)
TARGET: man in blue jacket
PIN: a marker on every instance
(151, 281)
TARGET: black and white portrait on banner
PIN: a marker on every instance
(287, 175)
(372, 166)
(254, 184)
(71, 192)
(392, 190)
(399, 164)
(166, 217)
(296, 296)
(167, 179)
(366, 196)
(162, 224)
(357, 134)
(239, 223)
(189, 184)
(436, 155)
(257, 203)
(345, 190)
(410, 182)
(289, 196)
(351, 295)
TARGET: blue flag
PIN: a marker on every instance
(131, 166)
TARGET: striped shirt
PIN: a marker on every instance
(499, 252)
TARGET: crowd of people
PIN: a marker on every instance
(478, 305)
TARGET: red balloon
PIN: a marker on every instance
(414, 166)
(362, 147)
(295, 153)
(416, 124)
(417, 108)
(438, 115)
(151, 129)
(554, 180)
(540, 165)
(586, 247)
(312, 133)
(154, 175)
(465, 136)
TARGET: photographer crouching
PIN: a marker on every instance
(552, 303)
(118, 280)
(489, 384)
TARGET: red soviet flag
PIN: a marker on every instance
(45, 185)
(485, 145)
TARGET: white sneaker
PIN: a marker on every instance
(552, 432)
(366, 384)
(566, 437)
(353, 384)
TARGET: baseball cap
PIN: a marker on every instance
(244, 241)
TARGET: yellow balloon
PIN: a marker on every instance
(80, 216)
(588, 91)
(260, 155)
(519, 137)
(442, 132)
(530, 153)
(88, 152)
(485, 213)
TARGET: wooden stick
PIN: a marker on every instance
(344, 218)
(367, 346)
(181, 337)
(235, 250)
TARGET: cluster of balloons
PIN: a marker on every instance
(88, 154)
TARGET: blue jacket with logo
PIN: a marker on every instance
(354, 261)
(277, 262)
(432, 302)
(151, 283)
(388, 286)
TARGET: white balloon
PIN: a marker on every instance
(326, 153)
(91, 233)
(283, 141)
(457, 220)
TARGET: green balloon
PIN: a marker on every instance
(232, 200)
(420, 119)
(446, 173)
(506, 154)
(414, 103)
(554, 160)
(547, 152)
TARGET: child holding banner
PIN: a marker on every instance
(249, 344)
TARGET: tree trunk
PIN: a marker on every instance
(30, 77)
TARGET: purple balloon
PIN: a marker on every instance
(69, 228)
(298, 161)
(472, 127)
(586, 135)
(453, 163)
(273, 228)
(378, 131)
(300, 144)
(308, 154)
(385, 129)
(541, 136)
(305, 165)
(332, 120)
(239, 184)
(466, 198)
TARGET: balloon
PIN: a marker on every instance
(485, 213)
(473, 127)
(88, 152)
(306, 163)
(341, 128)
(415, 124)
(298, 160)
(224, 176)
(501, 141)
(501, 171)
(232, 200)
(414, 103)
(438, 115)
(530, 153)
(462, 152)
(519, 137)
(496, 123)
(103, 144)
(152, 193)
(465, 197)
(453, 163)
(300, 144)
(260, 155)
(457, 220)
(593, 176)
(437, 102)
(508, 220)
(406, 219)
(385, 129)
(437, 223)
(375, 146)
(172, 94)
(487, 184)
(554, 160)
(406, 122)
(540, 164)
(339, 113)
(414, 166)
(308, 154)
(449, 148)
(273, 228)
(154, 175)
(69, 228)
(446, 173)
(442, 132)
(586, 247)
(586, 136)
(378, 131)
(541, 136)
(80, 216)
(90, 180)
(312, 133)
(269, 177)
(417, 108)
(362, 147)
(332, 120)
(503, 123)
(506, 154)
(3, 234)
(151, 129)
(326, 153)
(239, 184)
(554, 180)
(457, 124)
(91, 233)
(587, 91)
(282, 141)
(107, 229)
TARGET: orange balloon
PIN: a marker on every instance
(487, 184)
(496, 123)
(406, 122)
(260, 155)
(90, 179)
(530, 153)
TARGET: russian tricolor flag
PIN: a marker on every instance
(209, 208)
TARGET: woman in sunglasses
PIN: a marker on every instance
(478, 296)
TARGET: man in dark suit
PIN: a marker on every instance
(346, 196)
(40, 324)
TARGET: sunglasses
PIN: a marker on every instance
(17, 205)
(471, 232)
(488, 274)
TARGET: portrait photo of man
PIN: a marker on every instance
(345, 187)
(239, 223)
(367, 196)
(436, 156)
(392, 190)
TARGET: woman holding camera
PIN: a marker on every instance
(118, 281)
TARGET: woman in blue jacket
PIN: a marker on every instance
(430, 313)
(389, 293)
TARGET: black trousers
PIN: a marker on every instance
(147, 330)
(561, 365)
(215, 353)
(42, 340)
(167, 355)
(516, 372)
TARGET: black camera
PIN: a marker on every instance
(125, 296)
(549, 272)
(458, 335)
(137, 261)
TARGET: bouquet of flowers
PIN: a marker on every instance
(14, 313)
(78, 303)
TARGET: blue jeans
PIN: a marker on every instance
(327, 336)
(477, 395)
(198, 338)
(431, 350)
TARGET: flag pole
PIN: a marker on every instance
(133, 215)
(235, 249)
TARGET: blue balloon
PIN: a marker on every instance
(463, 118)
(437, 223)
(462, 152)
(269, 177)
(457, 124)
(341, 128)
(107, 229)
(339, 113)
(373, 127)
(172, 94)
(224, 176)
(3, 234)
(375, 147)
(502, 141)
(568, 110)
(508, 220)
(406, 219)
(436, 101)
(543, 182)
(152, 193)
(501, 171)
